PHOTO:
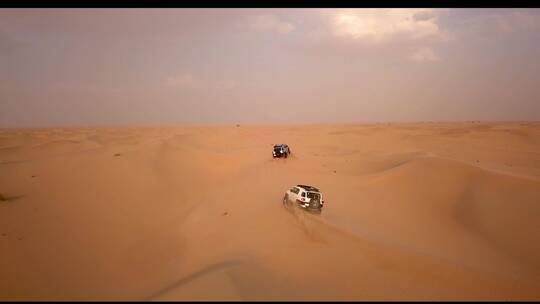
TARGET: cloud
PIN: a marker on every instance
(270, 23)
(382, 26)
(516, 21)
(377, 33)
(423, 15)
(424, 54)
(486, 24)
(181, 81)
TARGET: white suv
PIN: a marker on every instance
(307, 197)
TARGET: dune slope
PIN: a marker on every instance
(414, 211)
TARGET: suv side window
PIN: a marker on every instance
(294, 190)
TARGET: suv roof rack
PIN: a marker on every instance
(308, 188)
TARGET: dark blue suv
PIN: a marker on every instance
(281, 150)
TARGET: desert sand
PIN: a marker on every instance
(414, 211)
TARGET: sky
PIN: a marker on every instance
(71, 67)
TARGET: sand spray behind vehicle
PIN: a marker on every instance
(305, 221)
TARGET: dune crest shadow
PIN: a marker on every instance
(8, 198)
(183, 281)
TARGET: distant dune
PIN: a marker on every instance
(416, 211)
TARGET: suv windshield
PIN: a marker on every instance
(314, 195)
(278, 148)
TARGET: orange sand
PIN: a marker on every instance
(422, 211)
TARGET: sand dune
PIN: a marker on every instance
(414, 211)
